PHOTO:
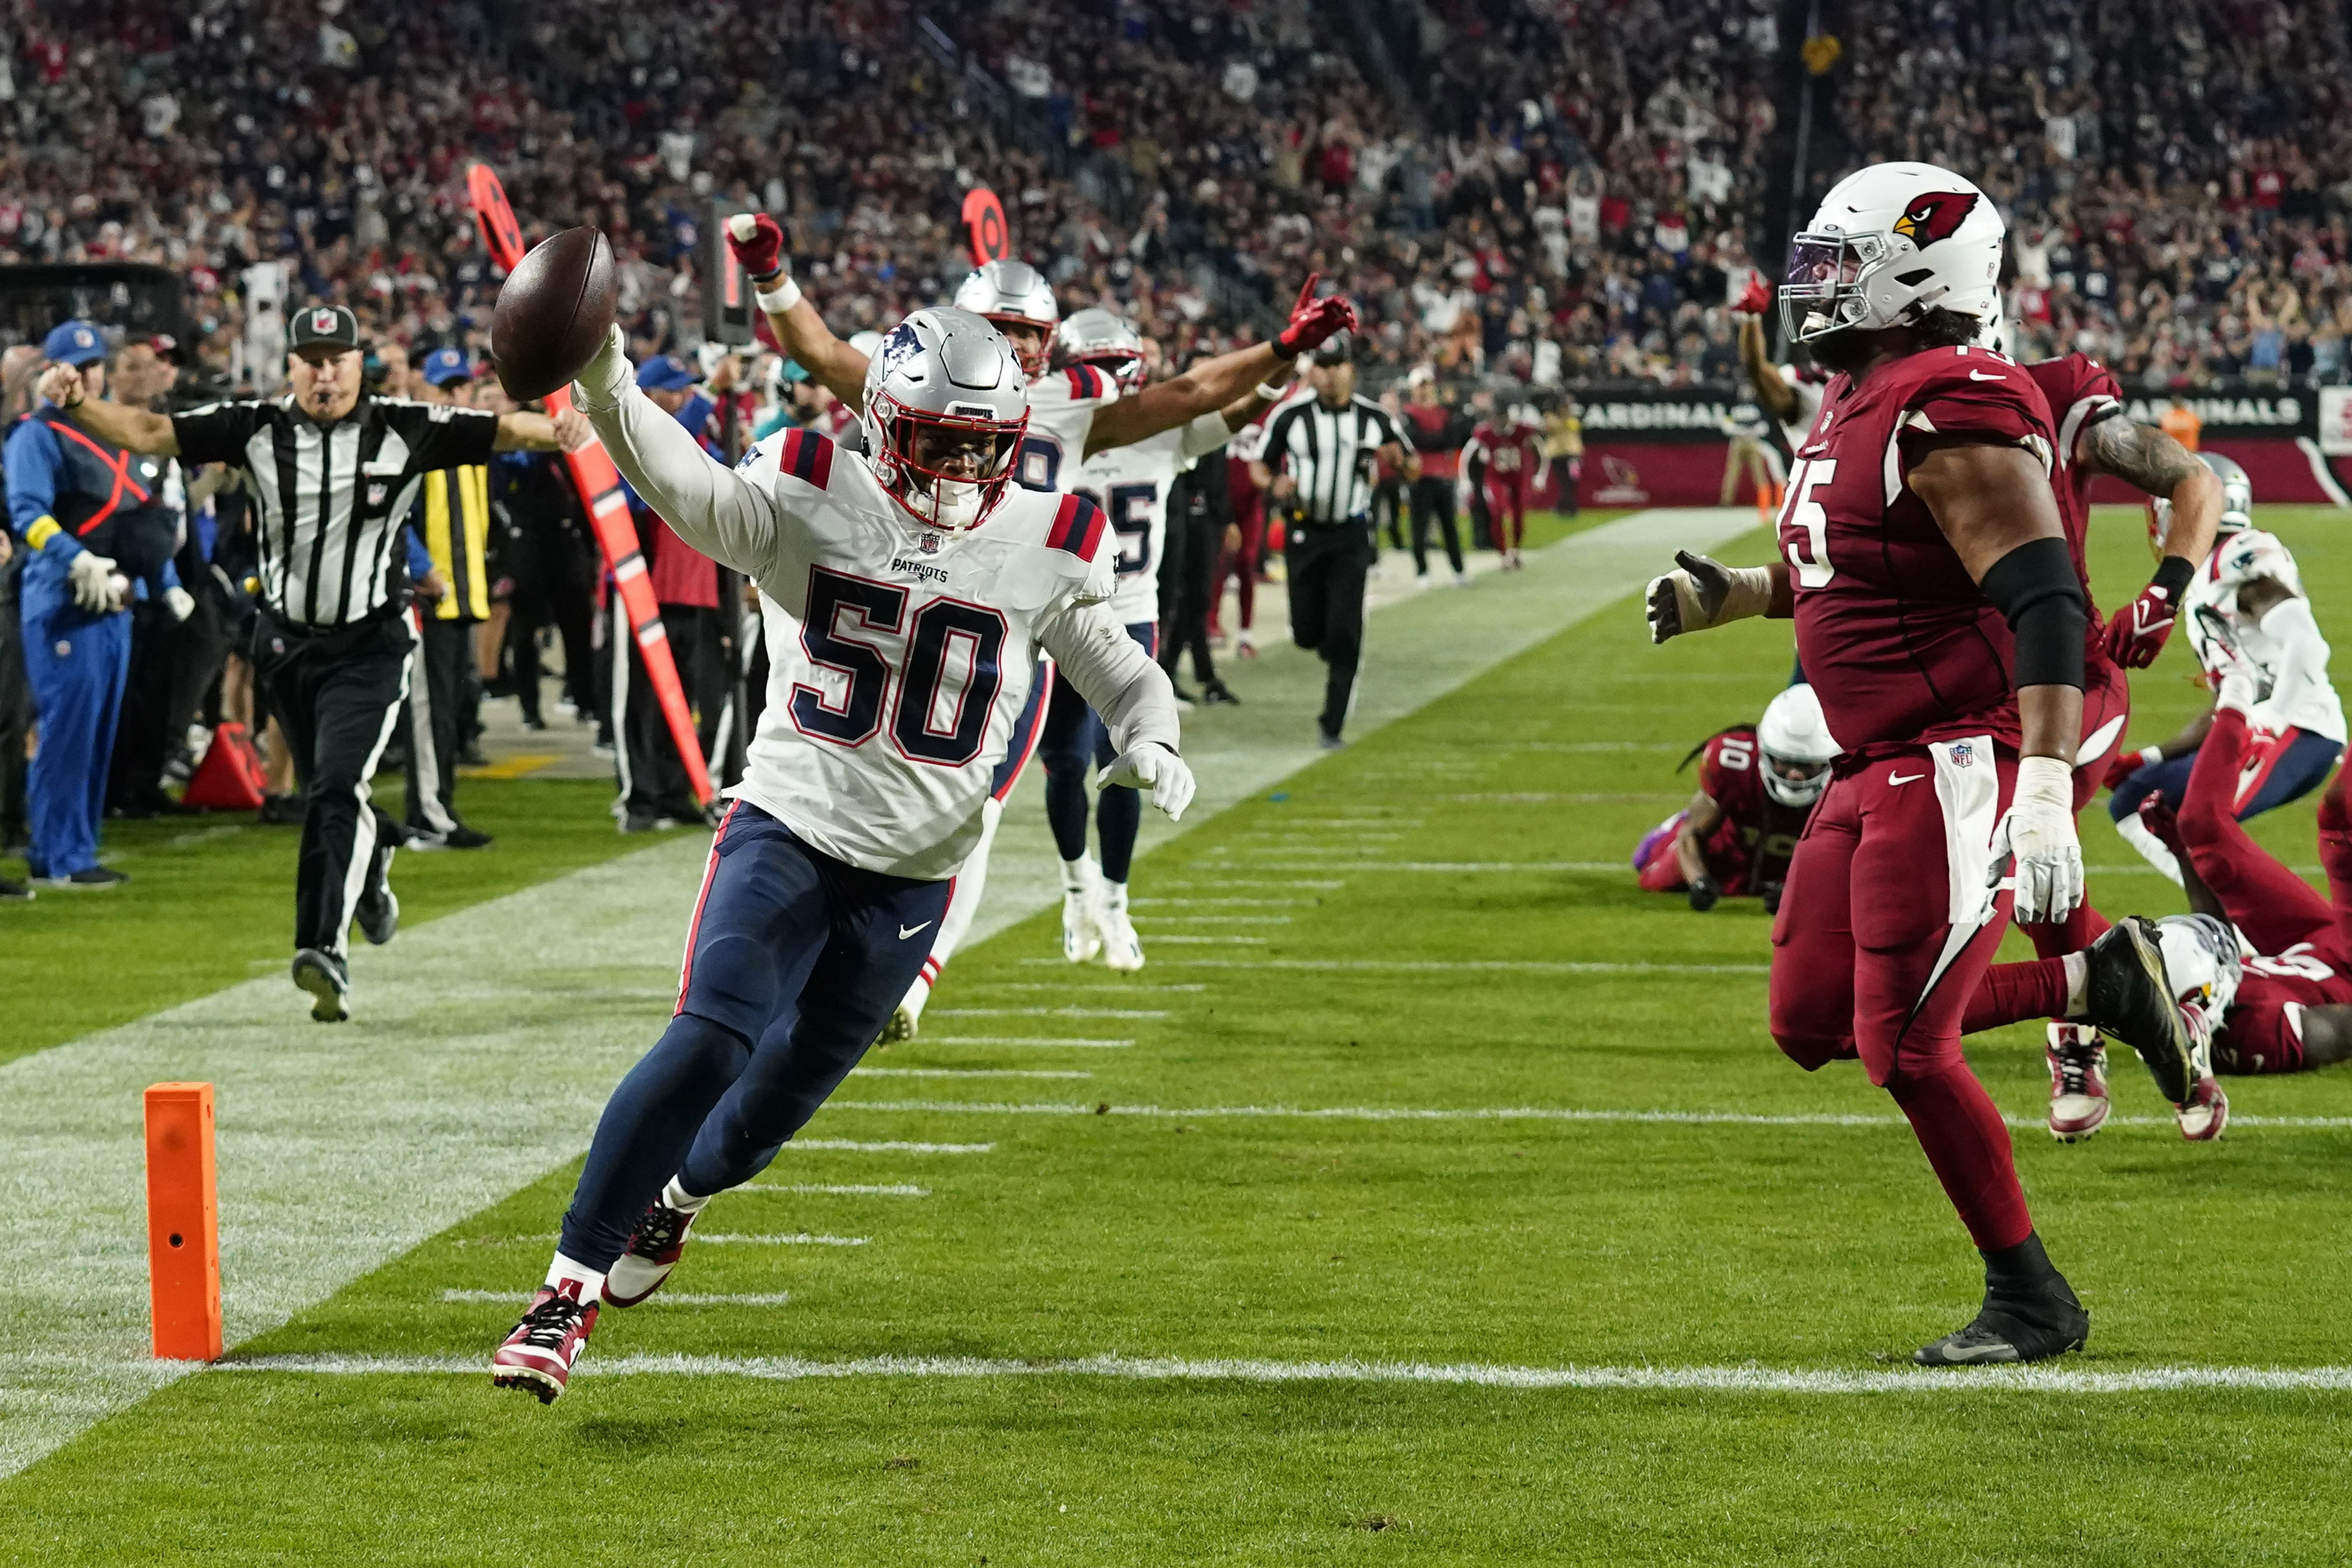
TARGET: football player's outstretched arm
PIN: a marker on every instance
(1700, 818)
(1130, 692)
(711, 507)
(2145, 457)
(1993, 503)
(133, 429)
(1775, 396)
(1215, 384)
(757, 241)
(1702, 593)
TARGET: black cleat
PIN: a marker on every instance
(2131, 999)
(1214, 693)
(2021, 1321)
(462, 837)
(379, 911)
(328, 981)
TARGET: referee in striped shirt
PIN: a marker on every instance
(1317, 464)
(332, 472)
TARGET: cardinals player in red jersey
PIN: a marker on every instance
(1506, 441)
(1941, 622)
(2095, 438)
(1756, 784)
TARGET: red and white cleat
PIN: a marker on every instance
(538, 1357)
(654, 1249)
(2078, 1081)
(2205, 1113)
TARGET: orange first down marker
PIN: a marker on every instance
(182, 1222)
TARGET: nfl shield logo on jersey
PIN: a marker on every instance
(929, 543)
(377, 491)
(1963, 753)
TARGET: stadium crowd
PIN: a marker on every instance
(1525, 198)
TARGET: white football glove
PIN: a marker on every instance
(179, 601)
(1702, 592)
(91, 577)
(2037, 835)
(1153, 767)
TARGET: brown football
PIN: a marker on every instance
(554, 312)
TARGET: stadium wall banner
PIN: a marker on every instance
(1654, 448)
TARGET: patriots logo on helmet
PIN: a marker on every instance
(1935, 216)
(904, 344)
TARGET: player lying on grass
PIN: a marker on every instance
(1941, 619)
(921, 585)
(2248, 592)
(1757, 785)
(2288, 1007)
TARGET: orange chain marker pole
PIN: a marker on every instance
(183, 1223)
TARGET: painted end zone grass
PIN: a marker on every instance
(1336, 969)
(211, 903)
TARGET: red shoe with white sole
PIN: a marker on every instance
(539, 1356)
(2205, 1113)
(654, 1249)
(2078, 1081)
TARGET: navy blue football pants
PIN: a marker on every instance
(794, 964)
(2286, 767)
(1075, 735)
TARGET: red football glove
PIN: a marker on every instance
(2136, 633)
(1757, 299)
(2161, 820)
(2120, 767)
(1314, 322)
(757, 242)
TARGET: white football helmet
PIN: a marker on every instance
(1013, 293)
(1105, 339)
(946, 406)
(1797, 747)
(2201, 958)
(1888, 243)
(2237, 502)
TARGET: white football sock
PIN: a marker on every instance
(577, 1281)
(1115, 897)
(1079, 874)
(2078, 985)
(677, 1198)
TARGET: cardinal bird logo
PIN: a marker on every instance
(1935, 216)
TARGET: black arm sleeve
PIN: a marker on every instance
(2035, 589)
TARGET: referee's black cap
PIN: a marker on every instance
(1338, 349)
(328, 327)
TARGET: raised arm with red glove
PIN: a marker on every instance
(757, 243)
(1214, 383)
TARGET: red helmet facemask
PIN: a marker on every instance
(919, 445)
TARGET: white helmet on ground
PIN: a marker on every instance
(2201, 958)
(1889, 244)
(1013, 294)
(945, 405)
(2237, 502)
(1797, 747)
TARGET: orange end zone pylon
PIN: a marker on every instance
(599, 483)
(183, 1223)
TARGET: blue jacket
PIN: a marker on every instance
(69, 491)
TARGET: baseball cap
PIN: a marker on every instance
(443, 366)
(665, 372)
(75, 343)
(324, 326)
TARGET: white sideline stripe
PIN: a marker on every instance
(1512, 1114)
(1720, 1379)
(892, 1146)
(1064, 989)
(839, 1189)
(1164, 938)
(659, 1298)
(1024, 1039)
(802, 1239)
(969, 1073)
(1507, 966)
(1048, 1012)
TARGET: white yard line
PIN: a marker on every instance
(2059, 1379)
(659, 1298)
(887, 1146)
(1024, 1039)
(1441, 966)
(838, 1189)
(1046, 1012)
(1503, 1113)
(801, 1238)
(864, 1071)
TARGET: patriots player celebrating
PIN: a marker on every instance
(1939, 617)
(1757, 785)
(2248, 599)
(1131, 485)
(1072, 413)
(903, 637)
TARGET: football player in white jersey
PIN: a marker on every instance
(1131, 485)
(1074, 412)
(913, 639)
(2248, 595)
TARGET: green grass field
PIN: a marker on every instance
(1444, 1321)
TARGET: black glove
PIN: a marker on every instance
(1704, 892)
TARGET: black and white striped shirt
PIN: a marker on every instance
(1328, 453)
(329, 501)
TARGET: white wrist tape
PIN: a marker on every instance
(1750, 594)
(777, 297)
(2150, 755)
(2047, 782)
(1271, 394)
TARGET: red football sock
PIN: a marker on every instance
(2012, 993)
(1968, 1143)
